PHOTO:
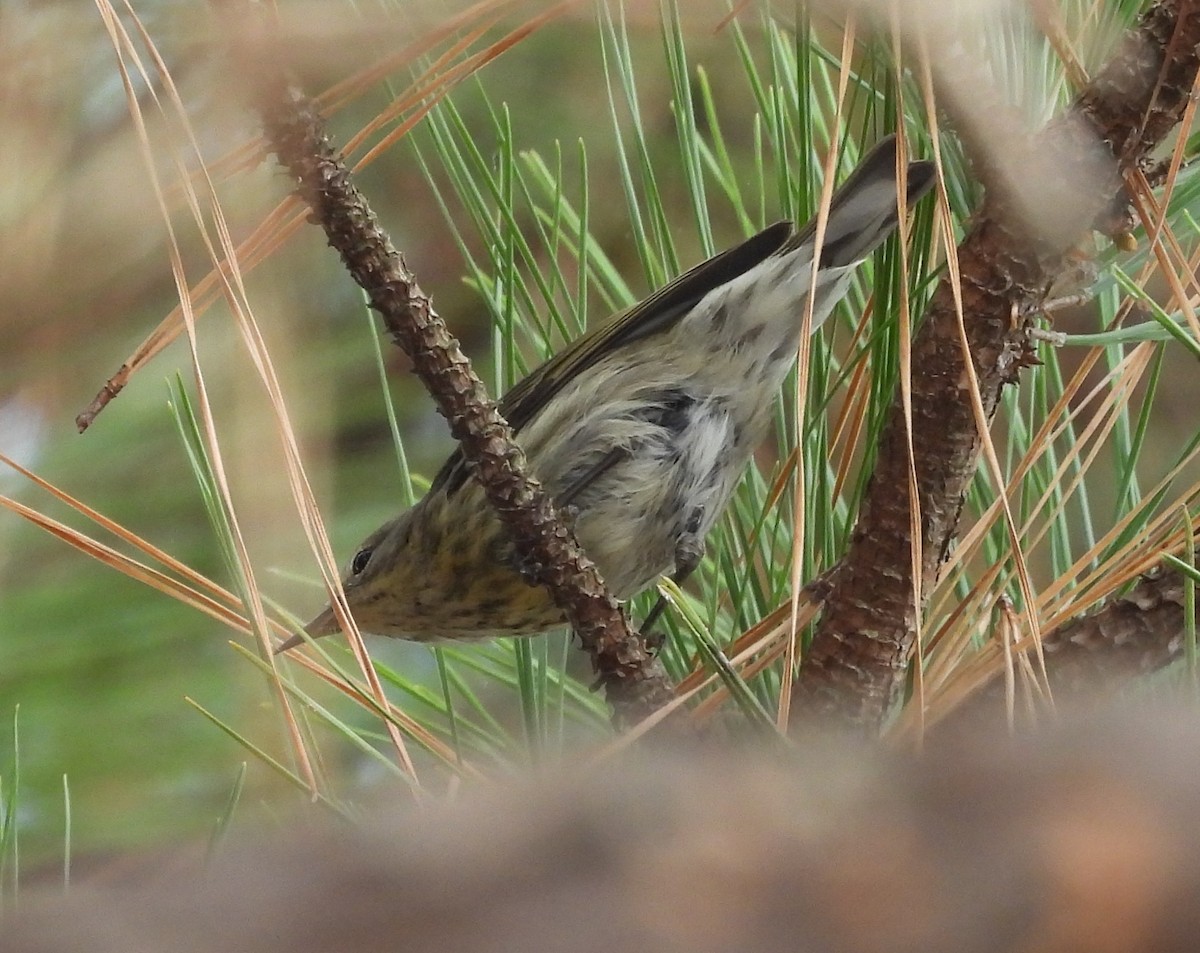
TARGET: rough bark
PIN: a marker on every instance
(863, 645)
(634, 681)
(1089, 659)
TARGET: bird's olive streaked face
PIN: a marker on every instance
(440, 571)
(366, 564)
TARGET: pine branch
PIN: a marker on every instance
(634, 681)
(1092, 657)
(863, 645)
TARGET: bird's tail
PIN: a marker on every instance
(863, 210)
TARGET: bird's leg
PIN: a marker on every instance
(689, 550)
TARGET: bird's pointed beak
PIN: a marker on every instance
(325, 623)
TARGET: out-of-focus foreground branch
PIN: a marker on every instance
(634, 681)
(865, 639)
(1075, 840)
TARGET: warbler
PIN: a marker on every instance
(641, 427)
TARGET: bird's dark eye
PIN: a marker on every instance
(361, 558)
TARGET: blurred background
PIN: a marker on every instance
(95, 668)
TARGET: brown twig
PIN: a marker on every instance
(634, 681)
(865, 640)
(1091, 657)
(1137, 633)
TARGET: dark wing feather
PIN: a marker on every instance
(858, 221)
(656, 313)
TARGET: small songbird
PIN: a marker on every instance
(642, 428)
